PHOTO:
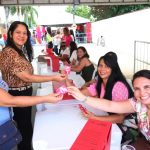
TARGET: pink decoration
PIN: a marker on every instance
(67, 69)
(62, 90)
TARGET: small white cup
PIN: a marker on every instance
(128, 147)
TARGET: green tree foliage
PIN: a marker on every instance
(99, 12)
(82, 11)
(103, 12)
(28, 13)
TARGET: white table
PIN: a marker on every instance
(57, 127)
(44, 70)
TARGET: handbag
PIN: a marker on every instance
(9, 135)
(129, 129)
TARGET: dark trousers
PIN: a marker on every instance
(22, 116)
(56, 50)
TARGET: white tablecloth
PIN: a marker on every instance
(57, 127)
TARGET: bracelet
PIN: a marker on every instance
(85, 99)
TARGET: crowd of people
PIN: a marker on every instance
(67, 50)
(108, 91)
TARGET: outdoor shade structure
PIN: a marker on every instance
(77, 2)
(57, 18)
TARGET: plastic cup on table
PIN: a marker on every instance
(127, 147)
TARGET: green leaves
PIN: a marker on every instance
(28, 13)
(99, 12)
(82, 11)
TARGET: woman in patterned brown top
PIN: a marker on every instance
(17, 71)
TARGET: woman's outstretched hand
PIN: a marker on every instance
(60, 77)
(88, 115)
(54, 98)
(75, 92)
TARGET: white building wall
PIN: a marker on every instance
(120, 33)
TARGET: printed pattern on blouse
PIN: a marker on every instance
(12, 63)
(142, 116)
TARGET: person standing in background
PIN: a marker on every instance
(33, 38)
(2, 42)
(4, 37)
(38, 35)
(43, 33)
(49, 36)
(57, 42)
(66, 37)
(17, 71)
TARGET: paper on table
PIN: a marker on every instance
(94, 136)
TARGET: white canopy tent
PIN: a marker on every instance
(57, 16)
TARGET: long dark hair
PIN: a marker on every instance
(49, 31)
(71, 33)
(73, 46)
(27, 46)
(142, 73)
(116, 75)
(66, 31)
(84, 50)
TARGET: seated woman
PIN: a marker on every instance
(85, 67)
(95, 78)
(112, 85)
(64, 52)
(140, 103)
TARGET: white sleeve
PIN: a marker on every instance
(73, 56)
(67, 51)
